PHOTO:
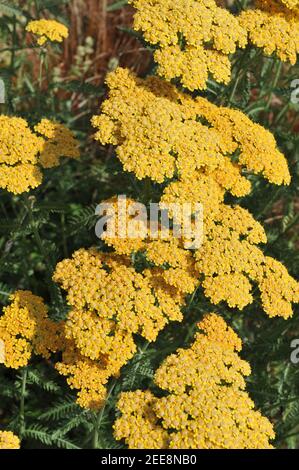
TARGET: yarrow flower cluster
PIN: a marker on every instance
(226, 265)
(273, 26)
(8, 440)
(161, 133)
(109, 302)
(25, 328)
(47, 30)
(290, 3)
(206, 405)
(199, 152)
(24, 152)
(158, 134)
(193, 38)
(19, 149)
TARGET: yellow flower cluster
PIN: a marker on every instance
(161, 133)
(192, 38)
(26, 328)
(278, 288)
(226, 264)
(133, 236)
(19, 149)
(273, 26)
(8, 440)
(85, 375)
(23, 152)
(47, 30)
(109, 302)
(229, 259)
(124, 233)
(206, 406)
(58, 141)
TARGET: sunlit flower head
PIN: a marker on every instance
(24, 152)
(9, 440)
(206, 405)
(47, 30)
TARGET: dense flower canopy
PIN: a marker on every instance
(110, 301)
(23, 152)
(47, 30)
(206, 405)
(163, 134)
(193, 38)
(197, 151)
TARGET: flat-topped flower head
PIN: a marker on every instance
(23, 151)
(273, 26)
(192, 38)
(25, 328)
(8, 440)
(131, 305)
(19, 151)
(47, 30)
(205, 405)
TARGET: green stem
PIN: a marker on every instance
(234, 89)
(95, 439)
(274, 84)
(98, 421)
(22, 402)
(40, 77)
(239, 75)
